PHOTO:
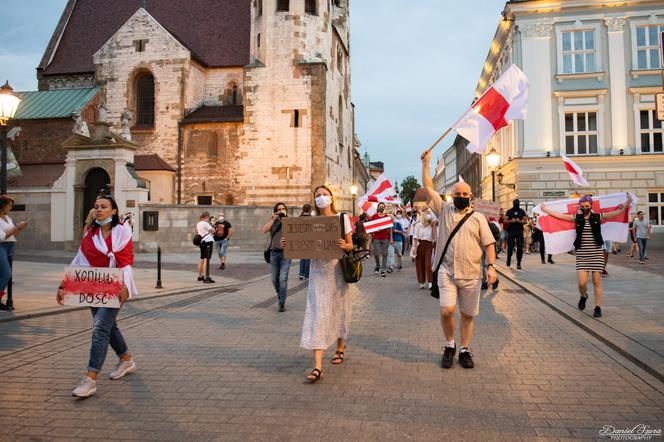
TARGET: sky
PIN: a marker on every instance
(414, 67)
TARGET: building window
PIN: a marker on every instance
(296, 118)
(578, 52)
(651, 131)
(647, 46)
(310, 7)
(259, 8)
(145, 101)
(258, 40)
(234, 95)
(283, 5)
(656, 207)
(337, 3)
(204, 200)
(581, 133)
(139, 45)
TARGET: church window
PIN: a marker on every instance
(139, 45)
(204, 200)
(283, 5)
(259, 8)
(145, 101)
(296, 118)
(310, 7)
(234, 95)
(258, 40)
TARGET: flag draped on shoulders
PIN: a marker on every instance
(117, 251)
(559, 235)
(505, 100)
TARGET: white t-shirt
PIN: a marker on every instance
(6, 226)
(203, 228)
(422, 232)
(641, 228)
(347, 227)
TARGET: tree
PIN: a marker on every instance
(408, 187)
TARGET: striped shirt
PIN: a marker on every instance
(464, 254)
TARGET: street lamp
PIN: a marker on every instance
(353, 193)
(8, 104)
(493, 158)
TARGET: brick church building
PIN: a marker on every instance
(230, 102)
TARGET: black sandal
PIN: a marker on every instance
(338, 358)
(315, 375)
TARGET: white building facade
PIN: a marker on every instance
(594, 69)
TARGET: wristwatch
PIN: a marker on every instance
(491, 265)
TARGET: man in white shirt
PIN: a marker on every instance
(205, 229)
(459, 274)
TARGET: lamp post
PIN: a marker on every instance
(493, 158)
(8, 104)
(353, 193)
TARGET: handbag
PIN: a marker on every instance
(351, 262)
(268, 251)
(197, 240)
(435, 291)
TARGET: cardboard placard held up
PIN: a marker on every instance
(92, 286)
(488, 208)
(312, 237)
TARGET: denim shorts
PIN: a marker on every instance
(222, 247)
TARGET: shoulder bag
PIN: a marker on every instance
(351, 262)
(435, 291)
(268, 251)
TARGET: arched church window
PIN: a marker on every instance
(145, 101)
(234, 95)
(310, 7)
(283, 5)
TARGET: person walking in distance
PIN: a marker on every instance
(280, 266)
(398, 236)
(381, 241)
(223, 230)
(634, 246)
(424, 238)
(643, 230)
(405, 226)
(515, 219)
(459, 274)
(589, 246)
(305, 263)
(106, 243)
(328, 312)
(8, 233)
(206, 231)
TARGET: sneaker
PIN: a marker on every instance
(201, 278)
(448, 357)
(551, 261)
(86, 388)
(400, 267)
(301, 277)
(389, 270)
(485, 286)
(4, 307)
(543, 262)
(518, 266)
(605, 273)
(376, 271)
(123, 368)
(282, 307)
(582, 302)
(466, 358)
(383, 274)
(428, 286)
(598, 312)
(422, 286)
(223, 266)
(642, 262)
(208, 281)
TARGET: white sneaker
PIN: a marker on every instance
(123, 368)
(86, 388)
(421, 286)
(428, 285)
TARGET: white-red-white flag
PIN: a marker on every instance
(379, 224)
(575, 172)
(559, 235)
(505, 100)
(381, 191)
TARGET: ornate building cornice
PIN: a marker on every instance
(537, 30)
(615, 24)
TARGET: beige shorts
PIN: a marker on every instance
(466, 290)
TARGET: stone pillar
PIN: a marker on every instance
(536, 50)
(617, 83)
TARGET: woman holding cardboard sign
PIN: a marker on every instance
(328, 312)
(106, 243)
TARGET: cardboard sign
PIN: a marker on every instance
(312, 237)
(92, 286)
(488, 208)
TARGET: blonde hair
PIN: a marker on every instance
(333, 206)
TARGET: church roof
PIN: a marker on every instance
(216, 114)
(53, 104)
(151, 162)
(217, 32)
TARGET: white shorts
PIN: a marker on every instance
(466, 290)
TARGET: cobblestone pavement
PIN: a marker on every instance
(227, 366)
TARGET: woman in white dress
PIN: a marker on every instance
(328, 313)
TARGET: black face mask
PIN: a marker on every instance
(460, 202)
(584, 210)
(381, 209)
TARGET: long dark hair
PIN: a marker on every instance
(115, 219)
(274, 209)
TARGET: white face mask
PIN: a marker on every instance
(220, 218)
(323, 201)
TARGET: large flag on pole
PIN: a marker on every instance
(381, 191)
(505, 100)
(575, 172)
(559, 235)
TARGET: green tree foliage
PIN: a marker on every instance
(408, 187)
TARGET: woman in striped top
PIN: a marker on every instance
(589, 246)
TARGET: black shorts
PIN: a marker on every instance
(206, 249)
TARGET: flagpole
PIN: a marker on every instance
(439, 140)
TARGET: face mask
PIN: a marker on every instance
(323, 201)
(399, 216)
(381, 209)
(221, 218)
(103, 222)
(585, 210)
(460, 202)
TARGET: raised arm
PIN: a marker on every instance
(558, 215)
(620, 209)
(433, 199)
